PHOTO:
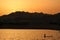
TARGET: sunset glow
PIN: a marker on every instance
(46, 6)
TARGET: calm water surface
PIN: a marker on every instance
(29, 34)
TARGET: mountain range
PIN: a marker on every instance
(26, 20)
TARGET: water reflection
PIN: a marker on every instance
(29, 34)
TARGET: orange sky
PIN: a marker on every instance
(46, 6)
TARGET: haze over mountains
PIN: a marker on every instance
(21, 19)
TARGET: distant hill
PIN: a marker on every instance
(35, 20)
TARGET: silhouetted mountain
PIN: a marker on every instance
(30, 20)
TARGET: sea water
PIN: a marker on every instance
(29, 34)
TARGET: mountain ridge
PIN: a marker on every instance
(30, 19)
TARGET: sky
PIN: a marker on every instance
(46, 6)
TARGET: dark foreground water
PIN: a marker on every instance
(29, 34)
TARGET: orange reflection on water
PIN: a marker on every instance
(28, 34)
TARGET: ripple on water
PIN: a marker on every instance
(28, 34)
